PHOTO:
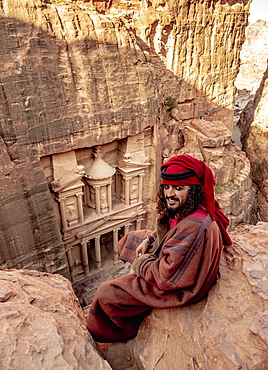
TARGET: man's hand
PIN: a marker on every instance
(142, 248)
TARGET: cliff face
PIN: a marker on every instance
(99, 73)
(253, 56)
(253, 120)
(254, 128)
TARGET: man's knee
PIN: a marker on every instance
(105, 293)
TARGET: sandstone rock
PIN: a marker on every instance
(255, 135)
(42, 324)
(212, 134)
(76, 75)
(254, 55)
(210, 142)
(253, 66)
(228, 330)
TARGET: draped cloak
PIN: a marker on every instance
(182, 271)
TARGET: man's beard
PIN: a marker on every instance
(174, 212)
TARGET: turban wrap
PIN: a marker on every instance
(186, 170)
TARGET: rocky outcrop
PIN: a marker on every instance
(228, 330)
(74, 76)
(253, 125)
(253, 64)
(42, 324)
(254, 55)
(252, 78)
(255, 145)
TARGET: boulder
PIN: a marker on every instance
(42, 324)
(227, 330)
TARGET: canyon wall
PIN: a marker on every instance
(253, 57)
(142, 81)
(252, 85)
(254, 128)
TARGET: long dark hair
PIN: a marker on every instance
(195, 198)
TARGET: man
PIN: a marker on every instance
(174, 266)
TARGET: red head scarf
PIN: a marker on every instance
(186, 170)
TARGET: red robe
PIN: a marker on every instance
(182, 272)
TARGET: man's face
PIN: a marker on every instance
(176, 196)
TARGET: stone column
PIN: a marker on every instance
(84, 258)
(138, 224)
(127, 180)
(127, 226)
(63, 213)
(70, 263)
(140, 187)
(98, 252)
(117, 185)
(109, 190)
(115, 245)
(80, 207)
(97, 200)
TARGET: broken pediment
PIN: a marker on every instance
(66, 171)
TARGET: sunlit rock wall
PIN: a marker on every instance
(74, 76)
(253, 77)
(253, 56)
(254, 129)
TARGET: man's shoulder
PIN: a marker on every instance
(200, 214)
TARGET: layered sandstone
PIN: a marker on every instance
(42, 324)
(74, 76)
(228, 330)
(254, 129)
(254, 55)
(253, 119)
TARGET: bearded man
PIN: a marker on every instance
(172, 267)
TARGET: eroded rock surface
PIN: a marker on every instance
(254, 130)
(252, 108)
(228, 330)
(254, 55)
(42, 325)
(78, 75)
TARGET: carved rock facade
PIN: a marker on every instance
(140, 84)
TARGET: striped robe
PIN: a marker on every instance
(182, 272)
